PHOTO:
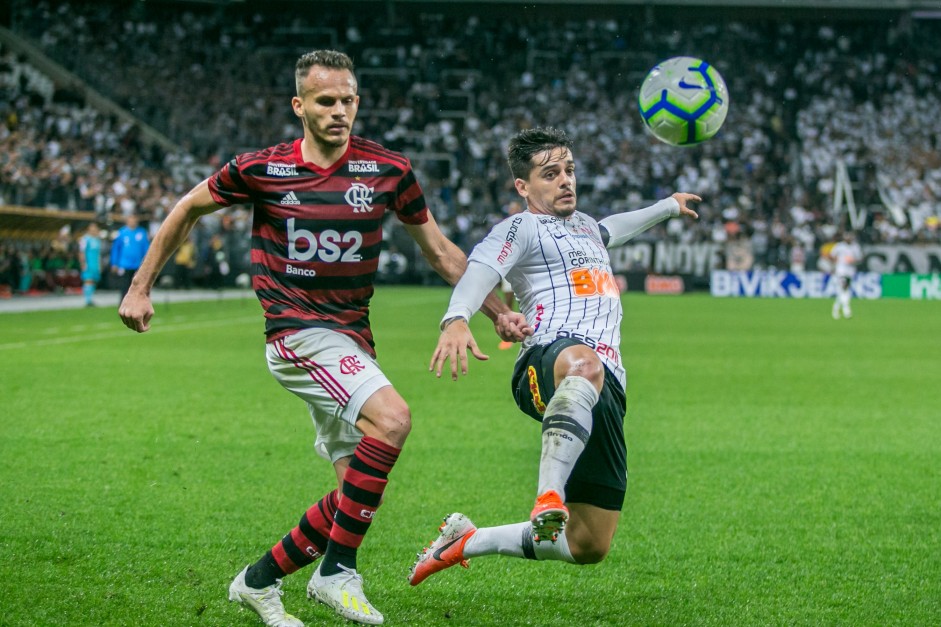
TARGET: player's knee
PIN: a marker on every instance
(589, 551)
(386, 417)
(394, 423)
(594, 373)
(580, 361)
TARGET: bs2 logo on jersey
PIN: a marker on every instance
(329, 245)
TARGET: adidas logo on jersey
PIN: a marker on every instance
(290, 199)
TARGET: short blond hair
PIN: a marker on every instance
(324, 58)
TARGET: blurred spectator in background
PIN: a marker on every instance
(89, 247)
(797, 255)
(127, 252)
(217, 263)
(392, 264)
(39, 261)
(738, 253)
(185, 260)
(11, 269)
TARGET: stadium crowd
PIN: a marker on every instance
(448, 89)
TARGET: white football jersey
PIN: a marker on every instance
(561, 274)
(846, 255)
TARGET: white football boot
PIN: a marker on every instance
(265, 601)
(344, 593)
(446, 550)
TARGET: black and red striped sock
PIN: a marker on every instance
(363, 484)
(304, 544)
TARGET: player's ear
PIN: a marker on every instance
(522, 187)
(298, 105)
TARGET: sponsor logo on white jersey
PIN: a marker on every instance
(369, 167)
(510, 238)
(281, 169)
(359, 197)
(581, 258)
(290, 199)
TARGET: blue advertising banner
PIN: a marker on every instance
(783, 284)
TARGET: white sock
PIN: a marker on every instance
(565, 430)
(516, 540)
(502, 540)
(558, 550)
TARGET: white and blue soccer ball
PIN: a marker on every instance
(683, 101)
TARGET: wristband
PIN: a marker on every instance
(448, 321)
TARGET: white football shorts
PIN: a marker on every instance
(335, 376)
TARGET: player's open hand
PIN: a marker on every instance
(452, 345)
(683, 198)
(136, 310)
(512, 326)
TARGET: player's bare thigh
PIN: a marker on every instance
(590, 531)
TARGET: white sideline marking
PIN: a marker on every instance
(185, 326)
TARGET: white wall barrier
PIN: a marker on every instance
(701, 258)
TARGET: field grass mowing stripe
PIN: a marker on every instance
(102, 326)
(185, 326)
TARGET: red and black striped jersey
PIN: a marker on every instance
(317, 233)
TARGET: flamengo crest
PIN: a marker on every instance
(359, 197)
(351, 365)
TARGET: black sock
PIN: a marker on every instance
(263, 573)
(337, 555)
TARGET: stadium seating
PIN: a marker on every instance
(809, 97)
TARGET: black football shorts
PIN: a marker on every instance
(600, 474)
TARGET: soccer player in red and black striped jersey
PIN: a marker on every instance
(316, 236)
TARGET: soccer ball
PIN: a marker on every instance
(683, 101)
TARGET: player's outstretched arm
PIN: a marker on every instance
(136, 309)
(622, 227)
(478, 281)
(450, 263)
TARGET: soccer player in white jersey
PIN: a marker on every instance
(845, 256)
(569, 374)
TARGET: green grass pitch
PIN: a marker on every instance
(785, 469)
